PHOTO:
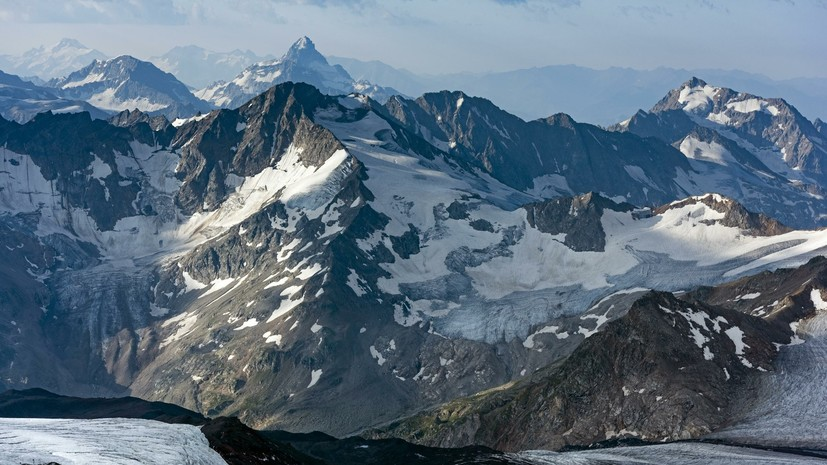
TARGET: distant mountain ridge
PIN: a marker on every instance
(557, 156)
(126, 83)
(301, 63)
(597, 96)
(48, 62)
(199, 67)
(21, 100)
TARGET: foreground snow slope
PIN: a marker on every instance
(114, 441)
(790, 410)
(677, 453)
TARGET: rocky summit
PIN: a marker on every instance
(729, 136)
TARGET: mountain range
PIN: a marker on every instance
(112, 85)
(284, 255)
(433, 269)
(126, 83)
(599, 96)
(198, 67)
(49, 62)
(21, 100)
(301, 63)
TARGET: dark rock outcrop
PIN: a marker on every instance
(577, 217)
(667, 370)
(549, 157)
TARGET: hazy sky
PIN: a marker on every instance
(779, 38)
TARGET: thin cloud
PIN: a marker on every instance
(547, 3)
(647, 12)
(93, 11)
(157, 12)
(353, 4)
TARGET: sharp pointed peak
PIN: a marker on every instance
(694, 82)
(302, 43)
(561, 119)
(304, 49)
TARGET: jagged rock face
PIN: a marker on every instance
(667, 370)
(145, 127)
(547, 158)
(245, 142)
(126, 83)
(765, 123)
(301, 63)
(68, 151)
(760, 151)
(21, 100)
(128, 118)
(783, 296)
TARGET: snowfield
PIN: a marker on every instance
(113, 441)
(677, 453)
(537, 278)
(790, 409)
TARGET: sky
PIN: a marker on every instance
(778, 38)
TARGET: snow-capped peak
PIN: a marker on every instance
(52, 61)
(720, 125)
(126, 83)
(69, 43)
(303, 42)
(301, 63)
(304, 50)
(696, 95)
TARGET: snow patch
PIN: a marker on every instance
(697, 99)
(191, 284)
(529, 341)
(818, 302)
(247, 324)
(380, 359)
(353, 283)
(712, 152)
(217, 285)
(314, 378)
